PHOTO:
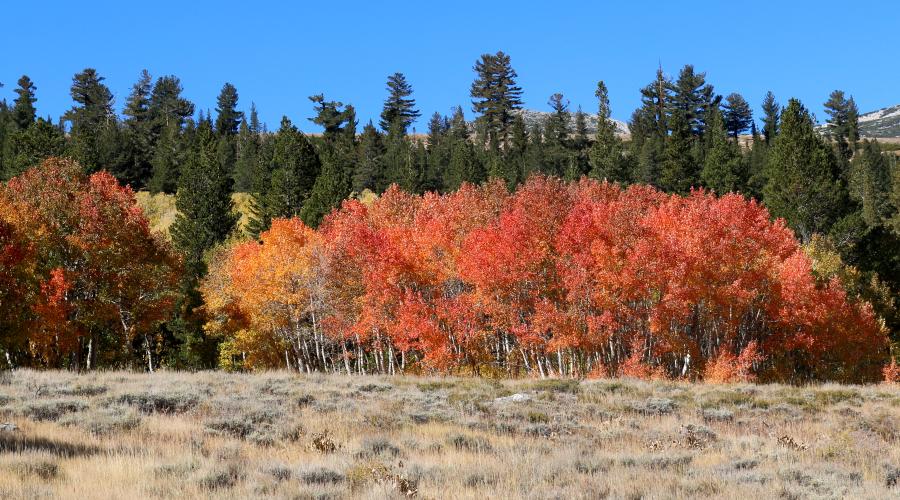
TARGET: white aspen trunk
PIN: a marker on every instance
(346, 357)
(149, 354)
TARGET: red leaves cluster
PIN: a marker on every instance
(87, 263)
(575, 279)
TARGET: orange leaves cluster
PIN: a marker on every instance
(94, 277)
(561, 279)
(265, 294)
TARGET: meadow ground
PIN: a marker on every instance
(166, 435)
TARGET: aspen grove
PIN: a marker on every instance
(577, 279)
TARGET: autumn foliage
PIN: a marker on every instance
(82, 278)
(555, 279)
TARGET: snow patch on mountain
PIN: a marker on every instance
(884, 122)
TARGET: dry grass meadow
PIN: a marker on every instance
(281, 435)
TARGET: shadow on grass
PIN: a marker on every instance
(12, 443)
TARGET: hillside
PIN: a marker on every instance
(884, 122)
(283, 435)
(532, 117)
(160, 209)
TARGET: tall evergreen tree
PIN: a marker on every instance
(756, 164)
(228, 118)
(94, 137)
(535, 158)
(676, 173)
(556, 136)
(439, 145)
(329, 116)
(338, 156)
(205, 219)
(205, 210)
(871, 184)
(722, 169)
(399, 165)
(495, 95)
(369, 172)
(248, 140)
(464, 165)
(169, 154)
(801, 170)
(771, 117)
(23, 110)
(517, 153)
(579, 164)
(399, 109)
(843, 124)
(23, 149)
(607, 155)
(692, 98)
(167, 106)
(649, 129)
(295, 166)
(139, 134)
(738, 116)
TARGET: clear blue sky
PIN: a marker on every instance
(277, 54)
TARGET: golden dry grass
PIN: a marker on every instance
(282, 435)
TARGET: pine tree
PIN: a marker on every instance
(205, 210)
(23, 149)
(463, 165)
(691, 98)
(369, 172)
(295, 166)
(607, 155)
(843, 125)
(94, 129)
(205, 219)
(332, 186)
(168, 156)
(771, 118)
(23, 110)
(870, 184)
(338, 156)
(676, 174)
(556, 136)
(649, 130)
(228, 118)
(756, 164)
(438, 145)
(722, 167)
(167, 107)
(247, 152)
(534, 154)
(650, 157)
(738, 116)
(399, 109)
(495, 96)
(579, 164)
(653, 114)
(399, 166)
(801, 170)
(329, 116)
(517, 154)
(138, 134)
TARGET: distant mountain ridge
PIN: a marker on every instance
(531, 117)
(884, 122)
